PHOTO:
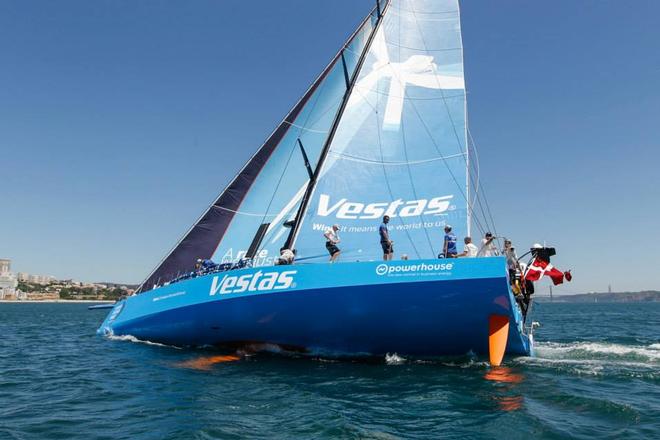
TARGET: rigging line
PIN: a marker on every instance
(407, 12)
(249, 214)
(399, 8)
(279, 181)
(459, 143)
(377, 162)
(300, 214)
(387, 181)
(479, 186)
(474, 148)
(477, 168)
(331, 106)
(412, 184)
(401, 46)
(293, 148)
(451, 173)
(405, 152)
(461, 95)
(307, 129)
(479, 196)
(318, 93)
(428, 132)
(453, 124)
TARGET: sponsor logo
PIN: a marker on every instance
(344, 209)
(116, 311)
(392, 269)
(381, 269)
(252, 282)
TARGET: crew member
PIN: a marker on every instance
(286, 257)
(469, 250)
(488, 247)
(332, 238)
(205, 265)
(385, 242)
(449, 245)
(511, 258)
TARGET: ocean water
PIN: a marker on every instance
(596, 375)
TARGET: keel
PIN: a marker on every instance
(498, 334)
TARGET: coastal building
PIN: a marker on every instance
(8, 281)
(41, 279)
(35, 279)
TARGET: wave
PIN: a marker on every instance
(394, 359)
(599, 350)
(597, 358)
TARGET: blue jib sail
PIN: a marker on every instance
(400, 147)
(270, 186)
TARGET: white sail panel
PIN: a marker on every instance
(400, 146)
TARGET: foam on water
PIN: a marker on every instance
(598, 358)
(394, 359)
(131, 338)
(579, 350)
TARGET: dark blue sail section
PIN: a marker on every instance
(269, 188)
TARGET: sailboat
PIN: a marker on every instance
(381, 132)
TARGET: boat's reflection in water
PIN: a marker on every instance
(508, 380)
(205, 363)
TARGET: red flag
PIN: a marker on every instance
(540, 267)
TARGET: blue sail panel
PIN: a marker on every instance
(275, 195)
(400, 146)
(270, 186)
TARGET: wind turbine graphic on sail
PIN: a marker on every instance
(417, 70)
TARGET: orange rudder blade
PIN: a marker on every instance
(498, 334)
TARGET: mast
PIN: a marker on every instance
(328, 142)
(466, 136)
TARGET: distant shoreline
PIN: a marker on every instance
(644, 296)
(53, 301)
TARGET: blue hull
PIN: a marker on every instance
(420, 308)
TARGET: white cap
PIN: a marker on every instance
(537, 246)
(335, 226)
(447, 226)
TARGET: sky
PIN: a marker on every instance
(120, 121)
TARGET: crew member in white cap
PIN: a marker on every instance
(332, 238)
